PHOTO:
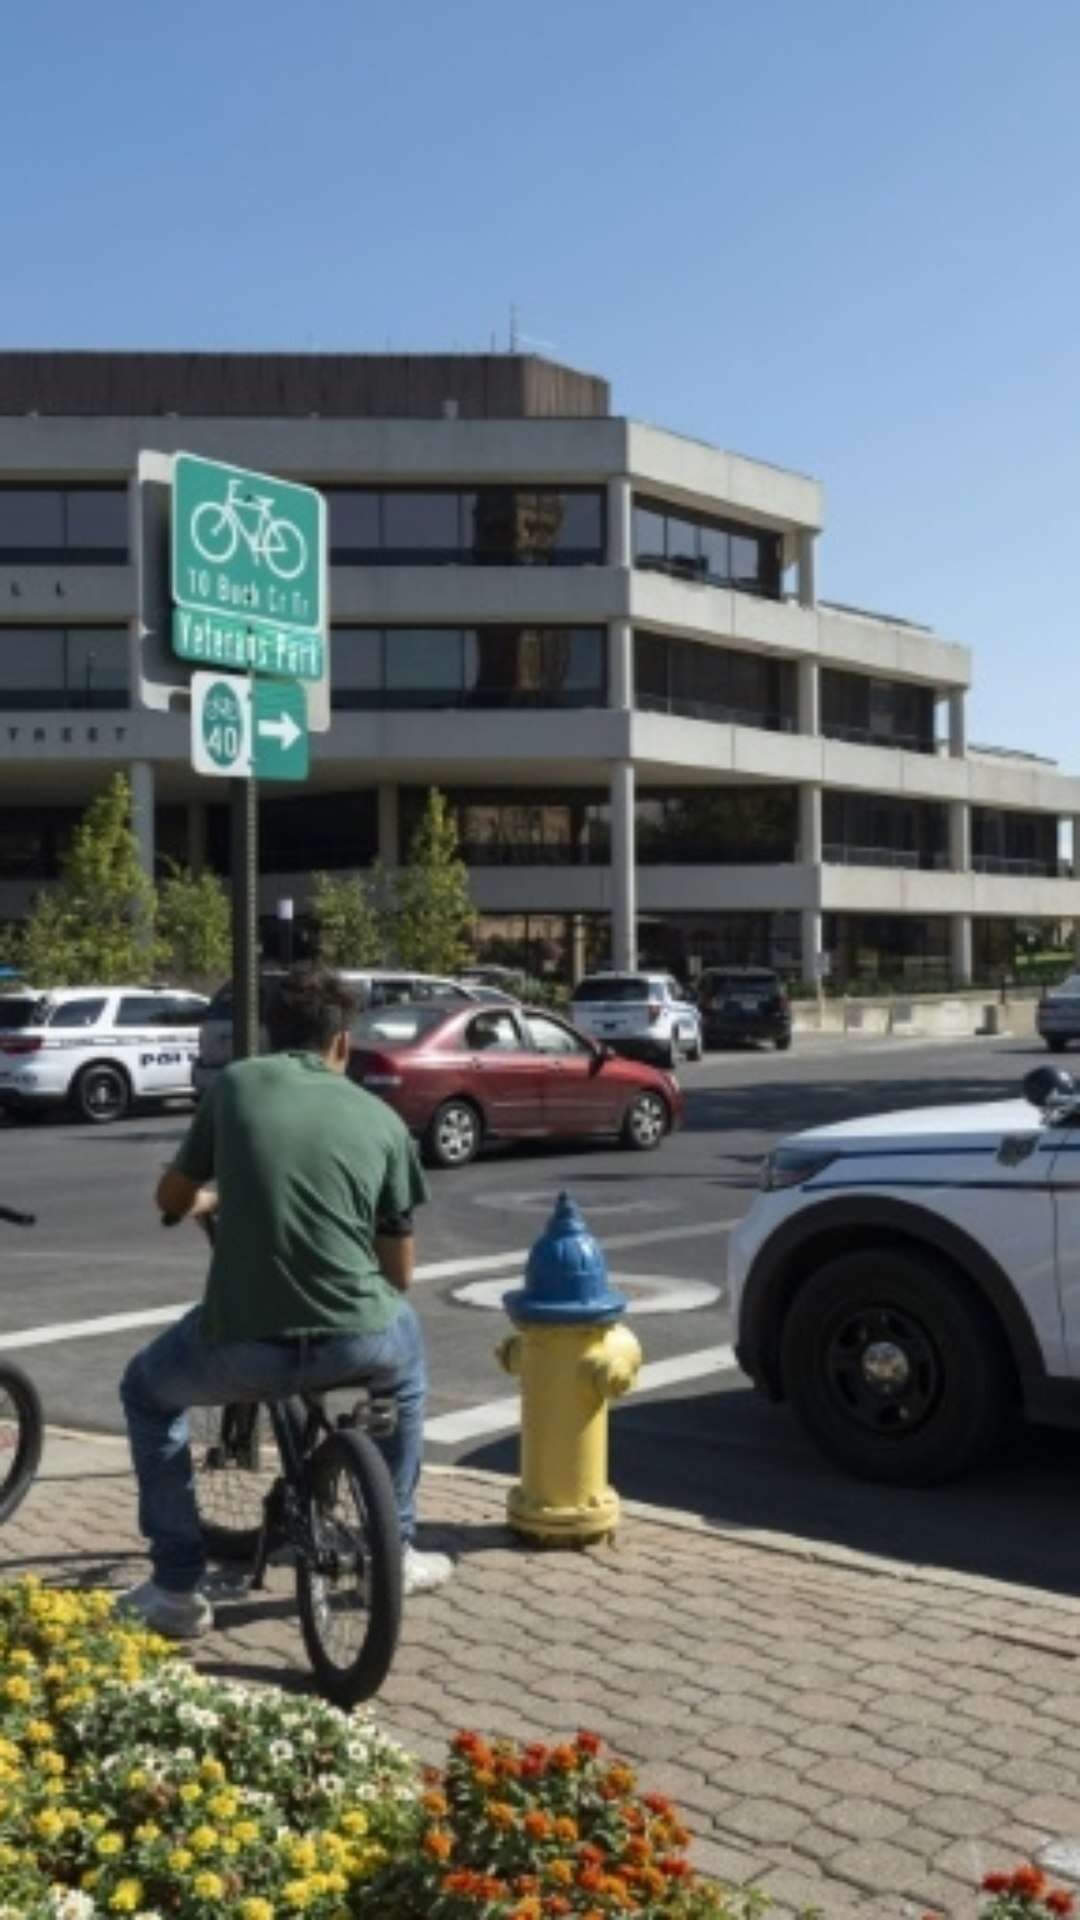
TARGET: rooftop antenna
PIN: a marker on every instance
(520, 340)
(513, 328)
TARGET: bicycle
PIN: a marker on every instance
(22, 1421)
(219, 526)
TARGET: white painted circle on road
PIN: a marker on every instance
(542, 1200)
(645, 1293)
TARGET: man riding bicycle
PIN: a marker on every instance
(315, 1185)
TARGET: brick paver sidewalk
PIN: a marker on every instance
(846, 1733)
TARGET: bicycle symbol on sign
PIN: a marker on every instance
(219, 526)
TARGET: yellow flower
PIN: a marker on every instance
(91, 1877)
(301, 1853)
(136, 1778)
(180, 1859)
(95, 1821)
(19, 1657)
(298, 1894)
(208, 1886)
(18, 1688)
(39, 1733)
(203, 1839)
(212, 1772)
(189, 1793)
(49, 1824)
(52, 1762)
(354, 1822)
(246, 1832)
(223, 1805)
(255, 1908)
(127, 1896)
(147, 1830)
(109, 1845)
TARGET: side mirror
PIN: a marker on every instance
(1044, 1084)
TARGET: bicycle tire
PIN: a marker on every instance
(354, 1458)
(227, 1448)
(223, 523)
(29, 1433)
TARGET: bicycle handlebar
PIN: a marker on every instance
(17, 1219)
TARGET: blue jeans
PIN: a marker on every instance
(180, 1370)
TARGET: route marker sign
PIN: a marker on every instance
(247, 545)
(242, 727)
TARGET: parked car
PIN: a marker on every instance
(460, 1077)
(96, 1049)
(1057, 1016)
(646, 1016)
(374, 987)
(744, 1003)
(910, 1280)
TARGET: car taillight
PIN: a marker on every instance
(655, 1009)
(375, 1070)
(21, 1046)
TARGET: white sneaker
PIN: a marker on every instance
(423, 1572)
(176, 1616)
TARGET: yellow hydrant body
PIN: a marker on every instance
(571, 1361)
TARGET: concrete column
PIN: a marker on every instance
(960, 949)
(390, 851)
(809, 697)
(959, 836)
(141, 773)
(957, 723)
(620, 516)
(623, 867)
(810, 825)
(196, 836)
(810, 941)
(1076, 846)
(620, 691)
(807, 589)
(577, 947)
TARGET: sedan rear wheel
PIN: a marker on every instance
(646, 1122)
(452, 1137)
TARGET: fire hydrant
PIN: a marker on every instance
(571, 1361)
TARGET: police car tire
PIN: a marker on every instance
(101, 1070)
(965, 1366)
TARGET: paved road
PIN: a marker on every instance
(701, 1440)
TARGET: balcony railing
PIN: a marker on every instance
(1032, 869)
(768, 719)
(907, 857)
(876, 737)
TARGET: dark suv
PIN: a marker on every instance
(744, 1003)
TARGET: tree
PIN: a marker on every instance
(97, 923)
(349, 929)
(194, 930)
(434, 917)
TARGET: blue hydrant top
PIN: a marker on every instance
(566, 1277)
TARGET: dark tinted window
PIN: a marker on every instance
(713, 982)
(421, 522)
(180, 1013)
(31, 517)
(676, 540)
(41, 524)
(618, 987)
(490, 666)
(353, 516)
(221, 1006)
(77, 1013)
(18, 1013)
(97, 517)
(140, 1011)
(493, 1032)
(63, 667)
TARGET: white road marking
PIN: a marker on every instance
(56, 1331)
(497, 1416)
(662, 1293)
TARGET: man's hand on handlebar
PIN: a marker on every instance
(179, 1198)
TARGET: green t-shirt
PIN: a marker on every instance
(308, 1167)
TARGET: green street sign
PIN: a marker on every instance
(279, 730)
(221, 725)
(247, 646)
(244, 544)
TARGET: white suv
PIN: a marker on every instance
(645, 1015)
(910, 1281)
(96, 1048)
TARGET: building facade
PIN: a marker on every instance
(601, 640)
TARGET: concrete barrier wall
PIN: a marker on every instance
(922, 1015)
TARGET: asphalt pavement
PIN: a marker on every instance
(89, 1284)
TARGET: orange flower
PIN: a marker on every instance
(590, 1855)
(526, 1883)
(658, 1803)
(556, 1904)
(590, 1879)
(653, 1881)
(566, 1829)
(436, 1804)
(529, 1909)
(561, 1872)
(438, 1843)
(621, 1779)
(508, 1766)
(500, 1814)
(638, 1848)
(1028, 1880)
(564, 1758)
(674, 1868)
(484, 1776)
(537, 1824)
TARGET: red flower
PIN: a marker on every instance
(1028, 1880)
(1058, 1901)
(589, 1742)
(658, 1803)
(674, 1868)
(996, 1882)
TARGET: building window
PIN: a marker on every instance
(876, 830)
(902, 950)
(336, 832)
(717, 826)
(1004, 841)
(492, 667)
(46, 526)
(713, 683)
(501, 526)
(711, 826)
(696, 546)
(63, 668)
(877, 713)
(33, 840)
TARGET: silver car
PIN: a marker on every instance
(1057, 1018)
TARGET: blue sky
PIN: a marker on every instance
(836, 234)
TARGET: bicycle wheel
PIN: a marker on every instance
(232, 1475)
(214, 532)
(285, 549)
(22, 1426)
(349, 1590)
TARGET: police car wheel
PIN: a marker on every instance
(102, 1093)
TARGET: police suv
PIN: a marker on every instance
(96, 1049)
(910, 1281)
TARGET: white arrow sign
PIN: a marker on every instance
(284, 729)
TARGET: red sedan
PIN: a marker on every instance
(460, 1076)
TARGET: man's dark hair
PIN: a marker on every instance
(311, 1007)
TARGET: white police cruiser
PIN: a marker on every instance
(96, 1049)
(911, 1281)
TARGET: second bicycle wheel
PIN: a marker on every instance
(349, 1589)
(21, 1431)
(234, 1462)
